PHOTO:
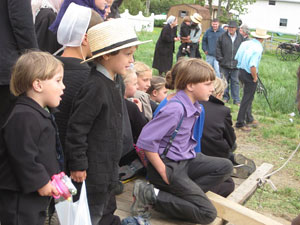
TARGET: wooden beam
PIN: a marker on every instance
(238, 214)
(249, 186)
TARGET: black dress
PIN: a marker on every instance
(163, 55)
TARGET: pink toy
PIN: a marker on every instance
(63, 185)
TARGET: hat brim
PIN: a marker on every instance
(259, 36)
(134, 43)
(195, 21)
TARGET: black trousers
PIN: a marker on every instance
(245, 111)
(6, 103)
(184, 198)
(22, 209)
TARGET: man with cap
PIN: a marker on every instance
(195, 34)
(209, 42)
(248, 57)
(227, 46)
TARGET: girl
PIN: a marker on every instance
(180, 176)
(157, 91)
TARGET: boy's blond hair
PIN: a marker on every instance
(157, 83)
(31, 66)
(220, 85)
(192, 71)
(127, 77)
(140, 68)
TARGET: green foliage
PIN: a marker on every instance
(159, 23)
(133, 6)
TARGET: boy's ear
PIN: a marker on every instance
(37, 85)
(85, 40)
(190, 87)
(106, 57)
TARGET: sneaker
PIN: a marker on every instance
(188, 50)
(244, 128)
(243, 160)
(183, 51)
(254, 124)
(241, 171)
(143, 198)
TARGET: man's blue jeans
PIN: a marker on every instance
(232, 77)
(214, 63)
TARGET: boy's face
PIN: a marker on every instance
(120, 63)
(131, 87)
(202, 91)
(100, 4)
(52, 90)
(144, 81)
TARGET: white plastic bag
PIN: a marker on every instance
(74, 213)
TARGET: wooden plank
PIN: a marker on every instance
(248, 187)
(238, 214)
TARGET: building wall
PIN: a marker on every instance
(266, 16)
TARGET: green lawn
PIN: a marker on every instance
(278, 133)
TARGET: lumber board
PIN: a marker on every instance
(249, 186)
(238, 214)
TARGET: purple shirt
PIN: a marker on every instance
(157, 133)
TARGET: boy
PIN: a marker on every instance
(185, 30)
(29, 151)
(94, 138)
(180, 176)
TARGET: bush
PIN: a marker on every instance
(159, 23)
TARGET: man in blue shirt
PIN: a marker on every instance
(209, 43)
(248, 57)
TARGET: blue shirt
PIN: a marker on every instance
(209, 40)
(157, 133)
(198, 129)
(249, 55)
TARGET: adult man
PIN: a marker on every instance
(245, 31)
(248, 57)
(227, 45)
(17, 34)
(195, 34)
(209, 42)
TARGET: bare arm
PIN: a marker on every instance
(253, 73)
(158, 164)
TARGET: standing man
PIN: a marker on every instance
(248, 57)
(209, 42)
(227, 45)
(196, 31)
(17, 34)
(245, 31)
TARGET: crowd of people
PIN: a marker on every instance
(95, 113)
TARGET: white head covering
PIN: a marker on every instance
(73, 25)
(171, 19)
(36, 5)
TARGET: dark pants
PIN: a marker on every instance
(6, 103)
(232, 78)
(195, 53)
(245, 112)
(22, 209)
(184, 198)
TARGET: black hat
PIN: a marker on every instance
(232, 23)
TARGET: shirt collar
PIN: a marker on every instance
(103, 70)
(191, 109)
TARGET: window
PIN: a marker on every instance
(183, 13)
(283, 22)
(272, 2)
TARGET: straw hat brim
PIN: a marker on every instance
(134, 43)
(195, 21)
(260, 36)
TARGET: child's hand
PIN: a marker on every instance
(78, 176)
(138, 103)
(48, 190)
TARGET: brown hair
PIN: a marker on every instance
(95, 19)
(140, 68)
(192, 71)
(171, 75)
(31, 66)
(186, 19)
(157, 83)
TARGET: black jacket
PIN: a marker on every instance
(225, 50)
(185, 30)
(17, 34)
(94, 140)
(28, 156)
(218, 136)
(165, 45)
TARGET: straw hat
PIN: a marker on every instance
(260, 33)
(111, 36)
(196, 18)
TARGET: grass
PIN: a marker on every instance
(276, 136)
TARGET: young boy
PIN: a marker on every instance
(180, 176)
(94, 140)
(185, 30)
(29, 153)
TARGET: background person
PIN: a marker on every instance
(245, 32)
(227, 46)
(165, 46)
(196, 31)
(209, 43)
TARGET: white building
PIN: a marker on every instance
(274, 15)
